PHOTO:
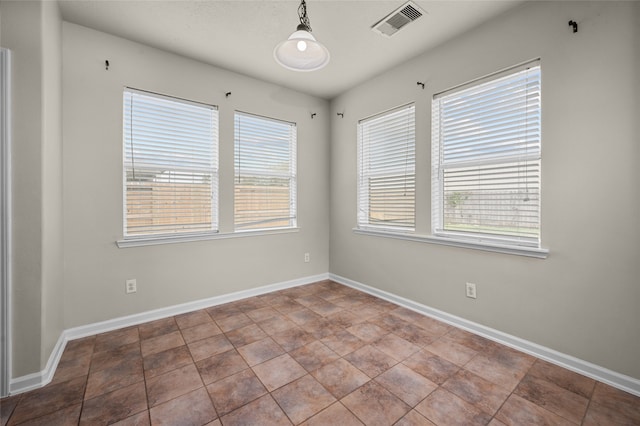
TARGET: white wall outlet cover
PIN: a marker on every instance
(471, 290)
(131, 286)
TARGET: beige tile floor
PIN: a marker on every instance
(320, 354)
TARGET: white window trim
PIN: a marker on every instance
(174, 239)
(363, 202)
(5, 222)
(539, 253)
(293, 175)
(478, 241)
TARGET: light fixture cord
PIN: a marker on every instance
(302, 13)
(526, 139)
(133, 164)
(406, 154)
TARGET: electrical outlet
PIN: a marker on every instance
(471, 290)
(131, 286)
(307, 258)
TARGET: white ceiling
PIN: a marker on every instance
(240, 35)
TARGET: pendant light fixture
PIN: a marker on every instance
(301, 51)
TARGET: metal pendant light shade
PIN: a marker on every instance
(301, 51)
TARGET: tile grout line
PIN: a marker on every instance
(144, 378)
(439, 338)
(218, 417)
(86, 382)
(589, 401)
(200, 375)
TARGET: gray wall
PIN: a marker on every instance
(583, 299)
(95, 269)
(52, 214)
(32, 30)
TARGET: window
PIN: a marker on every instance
(265, 173)
(386, 170)
(170, 165)
(486, 159)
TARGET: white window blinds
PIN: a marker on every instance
(486, 158)
(386, 170)
(170, 165)
(265, 173)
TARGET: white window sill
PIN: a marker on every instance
(173, 239)
(539, 253)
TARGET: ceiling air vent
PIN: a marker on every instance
(397, 19)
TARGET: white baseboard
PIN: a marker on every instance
(604, 375)
(41, 378)
(114, 324)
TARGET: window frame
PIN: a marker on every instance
(365, 172)
(517, 243)
(177, 236)
(291, 174)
